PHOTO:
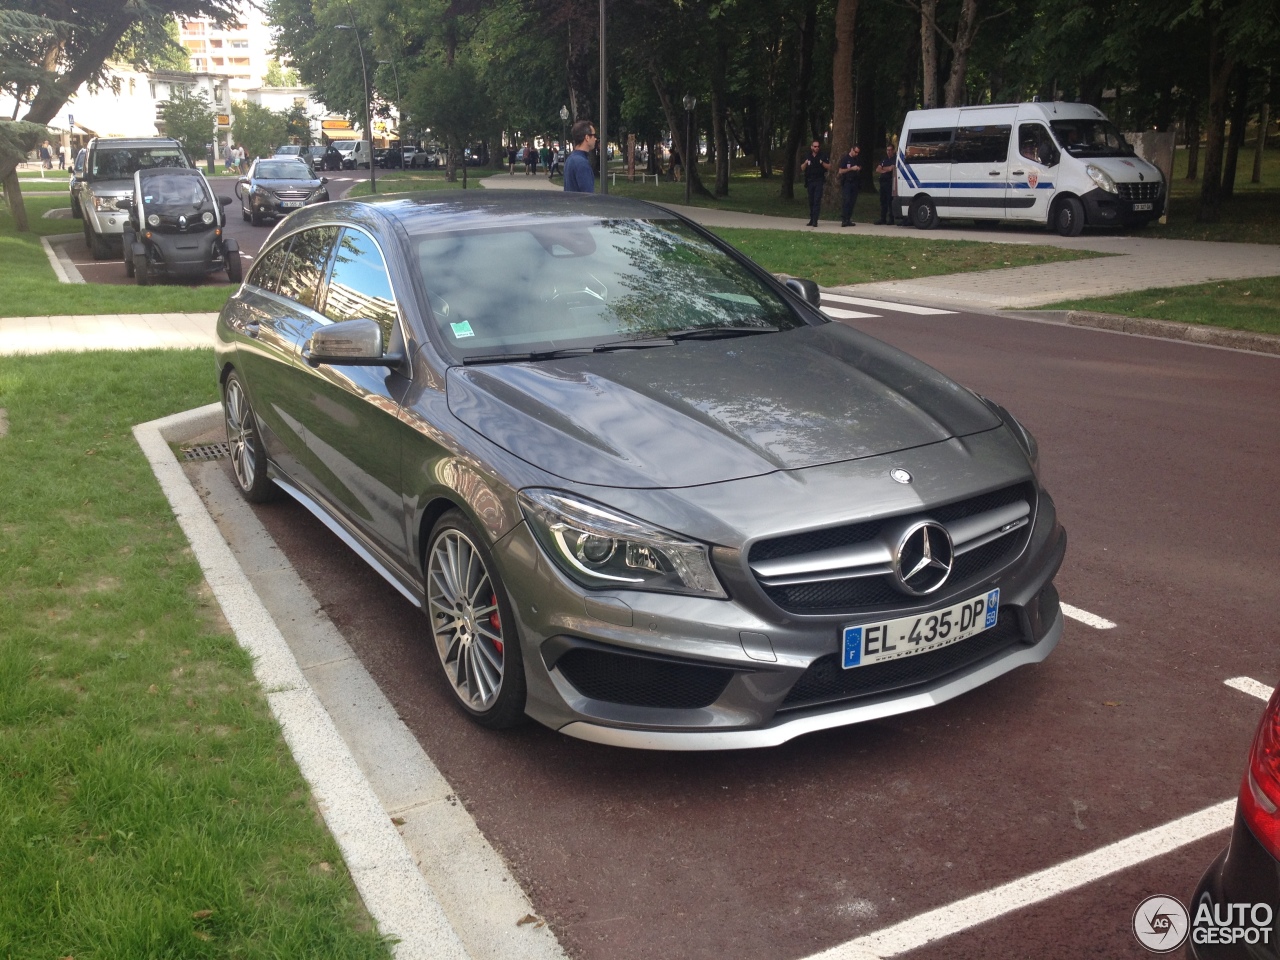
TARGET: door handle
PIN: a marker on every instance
(993, 173)
(1018, 173)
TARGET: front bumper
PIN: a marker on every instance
(657, 671)
(1103, 209)
(184, 255)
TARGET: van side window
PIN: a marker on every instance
(1035, 143)
(989, 144)
(929, 146)
(358, 285)
(266, 271)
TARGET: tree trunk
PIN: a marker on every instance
(799, 100)
(1239, 120)
(1193, 140)
(841, 93)
(1264, 118)
(720, 142)
(13, 195)
(966, 30)
(1221, 66)
(675, 123)
(929, 53)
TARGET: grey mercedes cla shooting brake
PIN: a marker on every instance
(643, 491)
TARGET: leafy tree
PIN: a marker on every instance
(258, 129)
(279, 76)
(452, 99)
(298, 125)
(189, 119)
(17, 139)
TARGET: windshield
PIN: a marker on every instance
(1090, 138)
(285, 170)
(174, 191)
(121, 163)
(578, 283)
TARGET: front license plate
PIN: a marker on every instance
(1143, 206)
(290, 203)
(907, 636)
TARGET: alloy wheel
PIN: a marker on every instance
(465, 620)
(242, 438)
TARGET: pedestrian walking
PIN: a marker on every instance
(46, 155)
(578, 177)
(62, 157)
(849, 174)
(554, 161)
(512, 151)
(227, 159)
(885, 171)
(242, 160)
(815, 169)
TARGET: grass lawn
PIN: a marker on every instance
(844, 259)
(1252, 215)
(407, 181)
(148, 805)
(1235, 304)
(29, 288)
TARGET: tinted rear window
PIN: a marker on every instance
(989, 144)
(120, 163)
(929, 146)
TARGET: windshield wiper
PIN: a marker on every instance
(716, 333)
(525, 357)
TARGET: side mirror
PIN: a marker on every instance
(324, 180)
(807, 290)
(355, 343)
(224, 200)
(124, 203)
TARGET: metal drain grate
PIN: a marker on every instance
(206, 451)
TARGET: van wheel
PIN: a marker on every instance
(1068, 219)
(924, 214)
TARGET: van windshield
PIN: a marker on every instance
(1090, 138)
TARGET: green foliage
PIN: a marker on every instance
(298, 125)
(17, 139)
(451, 99)
(154, 44)
(190, 118)
(1235, 304)
(278, 76)
(258, 129)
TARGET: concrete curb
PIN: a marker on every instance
(63, 268)
(395, 893)
(1172, 330)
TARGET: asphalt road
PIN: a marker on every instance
(1159, 456)
(248, 236)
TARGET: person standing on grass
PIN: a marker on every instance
(815, 169)
(578, 177)
(62, 157)
(885, 170)
(849, 173)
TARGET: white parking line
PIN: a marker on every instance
(837, 314)
(1034, 888)
(885, 305)
(1087, 618)
(1252, 687)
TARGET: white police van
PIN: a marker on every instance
(1060, 164)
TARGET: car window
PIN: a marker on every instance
(266, 271)
(175, 190)
(1034, 143)
(304, 264)
(120, 163)
(929, 146)
(988, 144)
(572, 282)
(1090, 138)
(283, 170)
(358, 284)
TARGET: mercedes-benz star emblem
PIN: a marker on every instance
(923, 558)
(902, 476)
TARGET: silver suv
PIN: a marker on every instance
(107, 177)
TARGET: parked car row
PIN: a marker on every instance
(276, 186)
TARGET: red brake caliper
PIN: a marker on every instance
(495, 621)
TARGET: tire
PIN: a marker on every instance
(126, 251)
(244, 214)
(255, 216)
(235, 266)
(481, 657)
(1068, 217)
(141, 269)
(76, 212)
(88, 236)
(244, 442)
(100, 245)
(923, 214)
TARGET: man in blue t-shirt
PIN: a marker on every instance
(578, 176)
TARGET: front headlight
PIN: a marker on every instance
(104, 204)
(153, 220)
(207, 217)
(1025, 438)
(1101, 178)
(601, 549)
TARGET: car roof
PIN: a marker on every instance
(133, 144)
(435, 212)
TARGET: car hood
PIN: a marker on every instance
(1124, 169)
(276, 184)
(107, 188)
(704, 412)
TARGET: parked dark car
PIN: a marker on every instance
(330, 159)
(176, 227)
(1247, 872)
(73, 180)
(643, 491)
(276, 187)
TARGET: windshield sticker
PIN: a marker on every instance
(462, 330)
(734, 298)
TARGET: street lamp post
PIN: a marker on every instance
(399, 112)
(564, 125)
(602, 124)
(368, 125)
(690, 101)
